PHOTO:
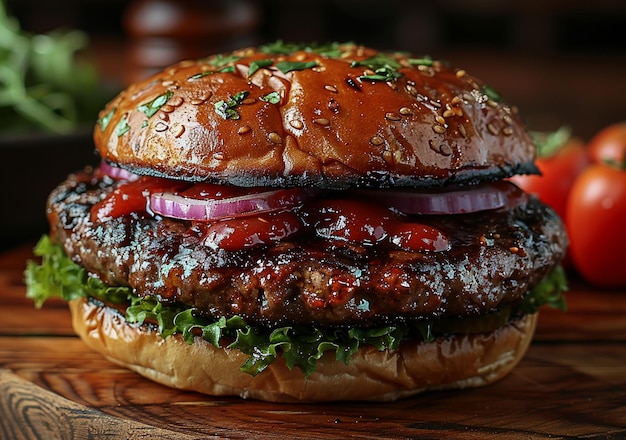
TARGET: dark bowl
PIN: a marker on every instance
(32, 166)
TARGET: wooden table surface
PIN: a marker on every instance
(571, 384)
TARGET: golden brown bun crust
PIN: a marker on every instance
(459, 362)
(330, 128)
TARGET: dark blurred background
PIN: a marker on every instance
(561, 62)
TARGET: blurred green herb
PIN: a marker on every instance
(150, 108)
(548, 143)
(272, 98)
(227, 109)
(56, 275)
(258, 64)
(43, 84)
(290, 66)
(385, 68)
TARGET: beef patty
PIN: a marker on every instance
(494, 259)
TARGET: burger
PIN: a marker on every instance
(305, 223)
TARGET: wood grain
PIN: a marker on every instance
(571, 384)
(32, 412)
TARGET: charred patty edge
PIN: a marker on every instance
(312, 281)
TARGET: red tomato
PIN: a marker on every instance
(609, 144)
(596, 214)
(559, 170)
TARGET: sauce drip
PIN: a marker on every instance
(343, 219)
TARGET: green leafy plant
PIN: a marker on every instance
(301, 346)
(43, 84)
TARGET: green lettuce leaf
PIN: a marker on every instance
(301, 346)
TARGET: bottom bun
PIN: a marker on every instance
(458, 361)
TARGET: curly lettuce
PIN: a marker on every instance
(56, 275)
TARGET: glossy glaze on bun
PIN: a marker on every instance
(414, 300)
(338, 116)
(458, 361)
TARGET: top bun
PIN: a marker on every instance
(330, 116)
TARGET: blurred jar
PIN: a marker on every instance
(163, 32)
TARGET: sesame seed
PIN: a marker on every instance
(177, 130)
(167, 83)
(435, 103)
(392, 117)
(460, 73)
(377, 140)
(322, 121)
(514, 249)
(248, 101)
(493, 129)
(388, 156)
(274, 138)
(441, 120)
(201, 99)
(455, 101)
(164, 116)
(168, 108)
(331, 88)
(244, 129)
(448, 113)
(433, 146)
(462, 130)
(439, 129)
(411, 90)
(445, 150)
(426, 70)
(175, 101)
(507, 119)
(218, 156)
(161, 126)
(508, 131)
(296, 124)
(406, 111)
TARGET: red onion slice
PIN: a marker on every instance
(209, 209)
(117, 173)
(464, 200)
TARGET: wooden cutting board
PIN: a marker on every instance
(571, 384)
